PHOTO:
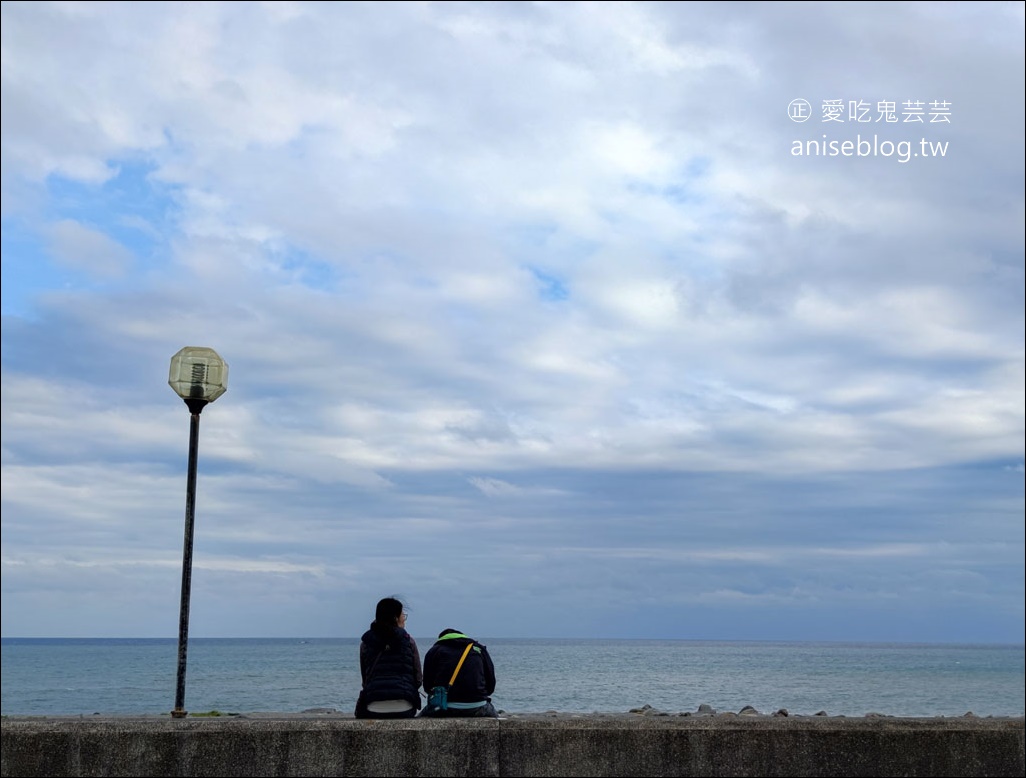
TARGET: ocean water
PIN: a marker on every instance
(60, 677)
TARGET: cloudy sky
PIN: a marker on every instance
(554, 319)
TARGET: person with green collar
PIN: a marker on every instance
(463, 668)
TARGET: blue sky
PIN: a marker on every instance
(545, 317)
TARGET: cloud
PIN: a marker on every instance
(537, 290)
(81, 248)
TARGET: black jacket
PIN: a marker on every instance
(390, 668)
(476, 680)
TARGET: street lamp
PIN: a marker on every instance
(199, 376)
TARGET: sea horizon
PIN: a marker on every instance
(131, 676)
(422, 638)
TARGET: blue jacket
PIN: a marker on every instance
(390, 668)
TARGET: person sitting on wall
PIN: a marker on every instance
(469, 695)
(389, 666)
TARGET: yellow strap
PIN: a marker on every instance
(457, 670)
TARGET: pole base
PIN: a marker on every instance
(178, 713)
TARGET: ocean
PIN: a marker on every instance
(119, 676)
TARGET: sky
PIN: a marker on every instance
(660, 320)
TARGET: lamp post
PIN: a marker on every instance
(199, 376)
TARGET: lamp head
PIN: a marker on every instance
(198, 374)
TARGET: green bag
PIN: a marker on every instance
(439, 698)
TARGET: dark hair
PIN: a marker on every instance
(386, 616)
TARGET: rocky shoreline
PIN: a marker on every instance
(647, 711)
(643, 712)
(707, 711)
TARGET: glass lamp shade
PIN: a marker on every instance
(198, 373)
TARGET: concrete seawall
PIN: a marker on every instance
(554, 745)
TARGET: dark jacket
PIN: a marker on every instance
(390, 668)
(476, 679)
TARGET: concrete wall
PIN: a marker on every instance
(297, 745)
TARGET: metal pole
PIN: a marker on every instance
(195, 407)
